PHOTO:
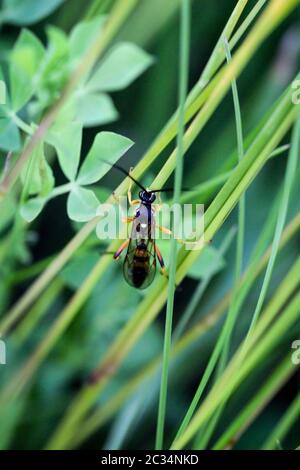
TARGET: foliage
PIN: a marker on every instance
(79, 91)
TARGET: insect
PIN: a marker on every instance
(139, 266)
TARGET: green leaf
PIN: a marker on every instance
(9, 135)
(32, 208)
(108, 146)
(54, 68)
(121, 66)
(82, 204)
(25, 60)
(95, 109)
(41, 179)
(208, 264)
(67, 143)
(27, 12)
(83, 35)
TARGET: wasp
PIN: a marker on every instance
(139, 266)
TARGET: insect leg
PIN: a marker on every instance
(164, 230)
(169, 232)
(121, 249)
(182, 242)
(163, 270)
(127, 220)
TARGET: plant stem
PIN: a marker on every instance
(239, 256)
(21, 124)
(229, 381)
(285, 423)
(183, 86)
(158, 145)
(217, 350)
(134, 330)
(23, 330)
(151, 305)
(253, 408)
(287, 186)
(197, 295)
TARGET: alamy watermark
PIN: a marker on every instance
(296, 353)
(296, 92)
(2, 352)
(145, 222)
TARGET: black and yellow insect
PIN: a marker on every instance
(142, 252)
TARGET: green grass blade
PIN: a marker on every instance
(281, 296)
(197, 295)
(150, 306)
(239, 256)
(225, 387)
(183, 86)
(287, 421)
(254, 407)
(271, 19)
(224, 203)
(287, 187)
(203, 325)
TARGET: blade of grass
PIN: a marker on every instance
(217, 55)
(81, 236)
(254, 407)
(204, 190)
(267, 21)
(64, 320)
(183, 86)
(200, 289)
(151, 305)
(158, 301)
(108, 409)
(22, 331)
(34, 316)
(199, 329)
(221, 339)
(97, 7)
(237, 369)
(229, 324)
(251, 275)
(242, 176)
(287, 186)
(286, 422)
(159, 144)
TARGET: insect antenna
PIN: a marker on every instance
(125, 172)
(167, 190)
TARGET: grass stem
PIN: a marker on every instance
(183, 87)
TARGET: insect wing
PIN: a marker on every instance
(140, 263)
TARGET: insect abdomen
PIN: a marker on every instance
(140, 266)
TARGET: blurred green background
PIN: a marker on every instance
(144, 108)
